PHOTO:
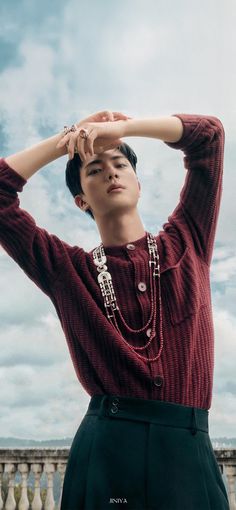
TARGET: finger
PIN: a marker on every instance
(106, 116)
(85, 148)
(112, 145)
(90, 142)
(101, 116)
(71, 147)
(63, 141)
(80, 144)
(120, 116)
(110, 116)
(95, 117)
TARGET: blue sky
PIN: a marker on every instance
(59, 62)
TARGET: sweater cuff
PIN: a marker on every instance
(12, 180)
(192, 129)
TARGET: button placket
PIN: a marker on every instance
(141, 276)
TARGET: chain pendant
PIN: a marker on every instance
(105, 281)
(110, 303)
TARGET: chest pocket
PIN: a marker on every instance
(182, 290)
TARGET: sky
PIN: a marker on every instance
(60, 62)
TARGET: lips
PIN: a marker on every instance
(115, 186)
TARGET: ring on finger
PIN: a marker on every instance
(84, 133)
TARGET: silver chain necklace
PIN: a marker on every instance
(107, 290)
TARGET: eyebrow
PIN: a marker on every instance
(101, 161)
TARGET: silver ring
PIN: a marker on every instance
(84, 133)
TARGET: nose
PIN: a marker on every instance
(111, 171)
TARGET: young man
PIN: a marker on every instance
(136, 312)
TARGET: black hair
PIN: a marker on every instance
(73, 170)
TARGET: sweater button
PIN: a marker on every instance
(130, 246)
(115, 405)
(158, 381)
(142, 286)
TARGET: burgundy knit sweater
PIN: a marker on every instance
(67, 275)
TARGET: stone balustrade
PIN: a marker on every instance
(46, 466)
(226, 459)
(38, 472)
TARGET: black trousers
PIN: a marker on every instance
(139, 454)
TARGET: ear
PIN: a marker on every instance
(81, 203)
(139, 185)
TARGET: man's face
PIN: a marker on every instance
(97, 173)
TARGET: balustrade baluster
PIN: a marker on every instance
(61, 468)
(230, 472)
(49, 469)
(1, 478)
(24, 501)
(10, 469)
(37, 501)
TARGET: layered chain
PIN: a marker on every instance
(110, 302)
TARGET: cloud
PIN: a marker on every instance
(41, 404)
(55, 70)
(225, 348)
(223, 265)
(222, 417)
(37, 344)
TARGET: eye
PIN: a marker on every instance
(95, 170)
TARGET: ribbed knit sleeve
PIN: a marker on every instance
(203, 145)
(37, 252)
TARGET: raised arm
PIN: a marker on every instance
(201, 138)
(40, 254)
(168, 129)
(197, 212)
(27, 162)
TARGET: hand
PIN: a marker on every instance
(102, 136)
(105, 116)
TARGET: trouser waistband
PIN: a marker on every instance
(152, 411)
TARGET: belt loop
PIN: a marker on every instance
(194, 422)
(101, 410)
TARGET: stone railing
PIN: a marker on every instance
(45, 466)
(32, 478)
(226, 459)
